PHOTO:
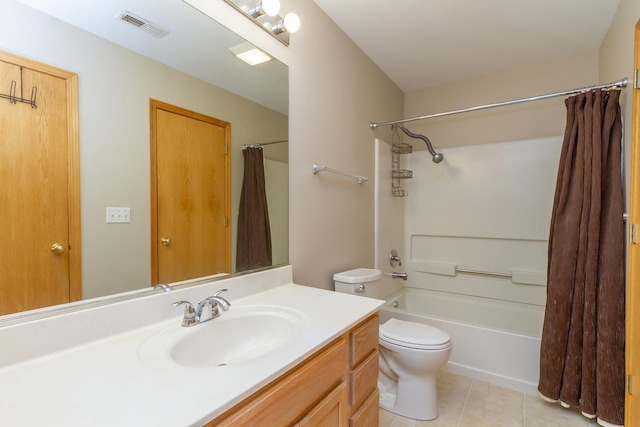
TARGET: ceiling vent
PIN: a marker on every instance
(143, 24)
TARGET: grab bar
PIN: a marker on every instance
(319, 168)
(483, 273)
(517, 275)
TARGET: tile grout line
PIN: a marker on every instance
(464, 405)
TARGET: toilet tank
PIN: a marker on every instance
(361, 281)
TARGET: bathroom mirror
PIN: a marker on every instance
(121, 65)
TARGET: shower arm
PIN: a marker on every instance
(418, 136)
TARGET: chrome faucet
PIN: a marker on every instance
(402, 276)
(213, 304)
(162, 287)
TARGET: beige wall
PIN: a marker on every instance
(335, 91)
(114, 138)
(523, 121)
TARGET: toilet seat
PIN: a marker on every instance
(414, 335)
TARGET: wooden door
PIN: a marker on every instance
(38, 186)
(632, 400)
(190, 194)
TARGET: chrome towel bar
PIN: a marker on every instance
(319, 168)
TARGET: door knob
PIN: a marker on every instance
(57, 248)
(166, 241)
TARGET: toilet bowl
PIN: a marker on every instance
(411, 354)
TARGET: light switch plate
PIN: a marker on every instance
(118, 215)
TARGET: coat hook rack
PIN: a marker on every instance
(319, 168)
(12, 94)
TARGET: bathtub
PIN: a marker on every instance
(493, 341)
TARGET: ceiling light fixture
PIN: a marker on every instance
(265, 14)
(249, 53)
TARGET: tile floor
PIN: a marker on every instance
(465, 402)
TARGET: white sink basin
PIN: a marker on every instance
(239, 335)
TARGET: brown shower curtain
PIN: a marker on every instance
(254, 232)
(582, 349)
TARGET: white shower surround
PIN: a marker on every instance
(486, 207)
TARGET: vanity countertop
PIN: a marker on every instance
(106, 383)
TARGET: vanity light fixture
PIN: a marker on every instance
(249, 53)
(265, 14)
(269, 7)
(291, 22)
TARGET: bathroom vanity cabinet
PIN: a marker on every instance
(336, 386)
(323, 372)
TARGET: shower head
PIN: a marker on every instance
(437, 157)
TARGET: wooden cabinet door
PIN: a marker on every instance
(368, 414)
(330, 412)
(38, 186)
(288, 399)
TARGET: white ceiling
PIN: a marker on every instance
(196, 44)
(422, 43)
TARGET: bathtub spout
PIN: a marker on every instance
(402, 276)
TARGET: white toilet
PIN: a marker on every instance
(411, 354)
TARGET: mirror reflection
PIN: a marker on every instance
(121, 70)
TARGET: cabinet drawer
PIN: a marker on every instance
(369, 413)
(282, 402)
(363, 340)
(363, 380)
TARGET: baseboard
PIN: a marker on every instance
(493, 378)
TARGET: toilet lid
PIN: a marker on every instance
(413, 334)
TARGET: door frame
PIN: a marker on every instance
(632, 389)
(73, 168)
(155, 105)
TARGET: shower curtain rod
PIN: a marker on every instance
(260, 144)
(619, 84)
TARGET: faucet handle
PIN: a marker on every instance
(222, 302)
(189, 318)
